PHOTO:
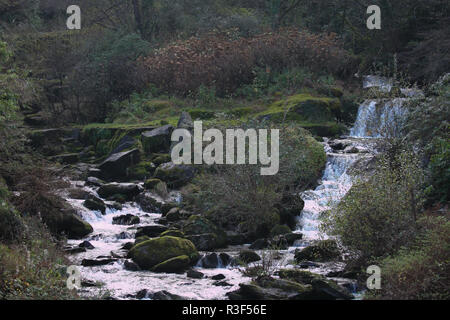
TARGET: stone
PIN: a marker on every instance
(322, 251)
(194, 274)
(97, 262)
(127, 190)
(157, 140)
(249, 256)
(117, 164)
(174, 175)
(173, 265)
(150, 231)
(127, 220)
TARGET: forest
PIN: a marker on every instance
(88, 116)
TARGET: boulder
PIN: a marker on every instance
(151, 183)
(259, 244)
(157, 140)
(165, 295)
(173, 265)
(67, 222)
(150, 253)
(249, 256)
(199, 226)
(194, 274)
(126, 220)
(173, 215)
(131, 266)
(150, 231)
(210, 261)
(125, 143)
(174, 175)
(150, 202)
(322, 251)
(218, 277)
(141, 239)
(94, 182)
(79, 194)
(116, 165)
(95, 204)
(267, 288)
(290, 207)
(87, 245)
(97, 262)
(323, 289)
(185, 121)
(173, 233)
(205, 241)
(280, 230)
(127, 190)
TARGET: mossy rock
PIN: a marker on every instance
(322, 251)
(141, 171)
(157, 140)
(175, 175)
(280, 230)
(159, 159)
(95, 204)
(198, 225)
(141, 239)
(304, 107)
(151, 183)
(174, 265)
(198, 114)
(248, 256)
(173, 233)
(155, 251)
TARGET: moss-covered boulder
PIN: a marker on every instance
(326, 250)
(289, 208)
(157, 140)
(174, 265)
(96, 204)
(248, 256)
(150, 253)
(151, 183)
(197, 225)
(173, 233)
(280, 230)
(324, 289)
(175, 175)
(116, 166)
(126, 220)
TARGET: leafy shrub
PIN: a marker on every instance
(378, 216)
(184, 66)
(421, 271)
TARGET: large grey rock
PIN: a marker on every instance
(175, 175)
(117, 164)
(157, 140)
(127, 190)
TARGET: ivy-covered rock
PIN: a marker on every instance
(150, 253)
(197, 225)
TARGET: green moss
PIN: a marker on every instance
(173, 265)
(154, 251)
(173, 233)
(201, 114)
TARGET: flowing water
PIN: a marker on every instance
(374, 117)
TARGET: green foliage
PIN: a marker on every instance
(421, 272)
(379, 215)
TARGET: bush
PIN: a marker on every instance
(184, 66)
(237, 196)
(422, 271)
(378, 216)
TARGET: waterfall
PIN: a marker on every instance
(378, 118)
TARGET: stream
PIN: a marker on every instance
(373, 117)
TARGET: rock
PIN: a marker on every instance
(322, 251)
(165, 295)
(218, 277)
(74, 250)
(173, 265)
(95, 204)
(125, 143)
(126, 220)
(211, 261)
(161, 190)
(117, 164)
(259, 244)
(127, 190)
(94, 182)
(94, 173)
(194, 274)
(159, 159)
(151, 183)
(249, 256)
(150, 231)
(87, 245)
(235, 238)
(205, 233)
(280, 230)
(141, 239)
(308, 264)
(131, 266)
(226, 259)
(292, 237)
(222, 284)
(175, 175)
(68, 223)
(68, 158)
(173, 215)
(119, 254)
(123, 235)
(268, 288)
(323, 289)
(290, 207)
(88, 283)
(149, 202)
(79, 194)
(128, 245)
(115, 206)
(157, 140)
(154, 251)
(173, 233)
(95, 262)
(185, 121)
